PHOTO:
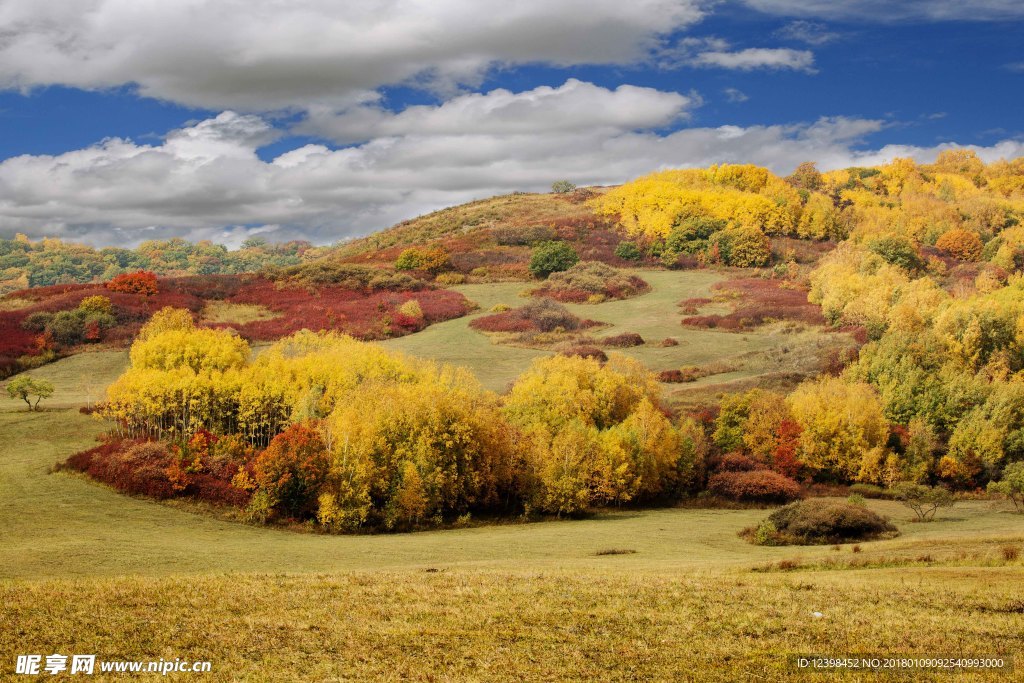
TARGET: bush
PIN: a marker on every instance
(758, 486)
(562, 186)
(737, 462)
(819, 521)
(897, 250)
(628, 251)
(965, 245)
(592, 282)
(624, 340)
(96, 305)
(543, 315)
(143, 283)
(449, 279)
(432, 260)
(584, 351)
(671, 376)
(668, 341)
(292, 468)
(552, 257)
(925, 501)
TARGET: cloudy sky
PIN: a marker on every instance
(125, 120)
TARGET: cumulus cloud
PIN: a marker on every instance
(889, 11)
(717, 52)
(574, 106)
(261, 55)
(757, 58)
(206, 181)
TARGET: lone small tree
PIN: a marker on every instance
(26, 388)
(923, 500)
(562, 186)
(1011, 485)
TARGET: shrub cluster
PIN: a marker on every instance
(819, 521)
(591, 281)
(757, 486)
(624, 340)
(539, 315)
(355, 437)
(552, 257)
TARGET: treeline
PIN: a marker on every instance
(957, 207)
(930, 275)
(24, 263)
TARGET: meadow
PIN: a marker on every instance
(665, 594)
(770, 352)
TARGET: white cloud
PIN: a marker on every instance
(735, 95)
(206, 181)
(809, 32)
(572, 107)
(757, 58)
(261, 55)
(889, 11)
(717, 52)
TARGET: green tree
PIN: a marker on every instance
(26, 388)
(562, 186)
(552, 257)
(923, 500)
(1011, 485)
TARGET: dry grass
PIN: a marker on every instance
(546, 625)
(235, 314)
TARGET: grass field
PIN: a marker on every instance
(86, 570)
(770, 350)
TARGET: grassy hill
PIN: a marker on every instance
(503, 211)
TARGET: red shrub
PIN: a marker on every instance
(671, 376)
(760, 301)
(737, 462)
(624, 340)
(143, 283)
(758, 486)
(584, 351)
(292, 468)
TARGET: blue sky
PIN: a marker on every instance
(123, 122)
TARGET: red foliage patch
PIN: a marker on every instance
(143, 283)
(148, 468)
(363, 315)
(624, 340)
(672, 376)
(758, 486)
(760, 301)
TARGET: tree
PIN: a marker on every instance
(962, 244)
(293, 468)
(26, 387)
(143, 283)
(552, 257)
(1011, 485)
(562, 186)
(923, 500)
